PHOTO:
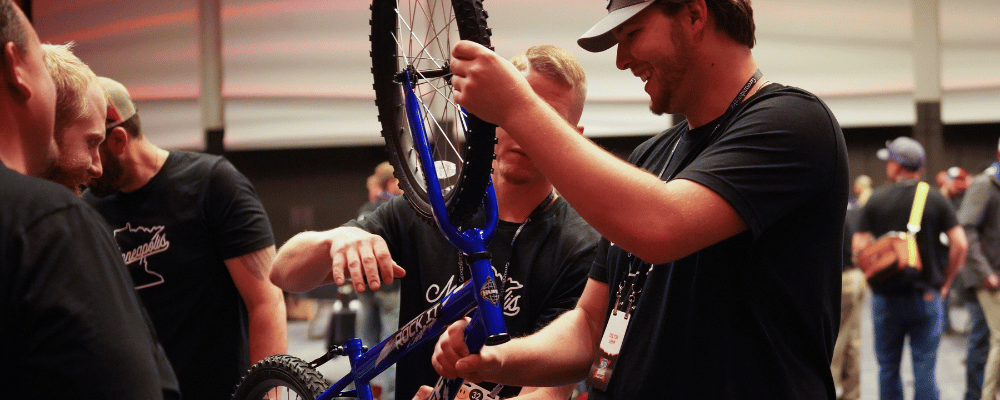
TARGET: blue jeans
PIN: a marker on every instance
(979, 348)
(895, 318)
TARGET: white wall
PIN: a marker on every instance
(297, 71)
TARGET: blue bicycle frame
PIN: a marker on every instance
(481, 296)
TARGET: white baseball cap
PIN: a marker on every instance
(599, 37)
(120, 106)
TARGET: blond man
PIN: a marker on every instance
(548, 260)
(79, 122)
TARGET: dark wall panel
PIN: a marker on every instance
(309, 189)
(321, 188)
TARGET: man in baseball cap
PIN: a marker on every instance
(904, 151)
(724, 234)
(203, 248)
(910, 304)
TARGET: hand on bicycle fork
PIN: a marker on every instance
(486, 84)
(365, 258)
(451, 356)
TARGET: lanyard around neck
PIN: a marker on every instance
(536, 213)
(725, 116)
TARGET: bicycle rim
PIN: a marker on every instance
(418, 35)
(280, 377)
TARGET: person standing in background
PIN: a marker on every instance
(862, 189)
(909, 304)
(846, 364)
(979, 214)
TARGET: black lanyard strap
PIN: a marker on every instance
(725, 117)
(534, 214)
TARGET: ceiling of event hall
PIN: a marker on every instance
(297, 71)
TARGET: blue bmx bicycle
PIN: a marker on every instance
(443, 158)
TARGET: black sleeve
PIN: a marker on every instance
(599, 271)
(772, 158)
(238, 220)
(80, 321)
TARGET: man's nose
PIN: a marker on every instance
(96, 169)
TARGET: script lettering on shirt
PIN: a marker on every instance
(156, 243)
(511, 295)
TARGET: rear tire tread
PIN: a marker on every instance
(292, 372)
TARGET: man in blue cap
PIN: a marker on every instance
(909, 304)
(719, 273)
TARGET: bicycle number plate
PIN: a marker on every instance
(472, 391)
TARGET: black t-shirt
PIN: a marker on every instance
(71, 325)
(175, 234)
(553, 254)
(889, 210)
(753, 316)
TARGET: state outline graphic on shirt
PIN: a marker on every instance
(157, 243)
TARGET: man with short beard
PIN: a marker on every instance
(198, 244)
(79, 123)
(719, 273)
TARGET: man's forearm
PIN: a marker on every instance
(559, 354)
(268, 331)
(302, 263)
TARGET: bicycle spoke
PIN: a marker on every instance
(415, 38)
(456, 112)
(434, 34)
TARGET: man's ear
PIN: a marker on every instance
(117, 140)
(14, 71)
(698, 12)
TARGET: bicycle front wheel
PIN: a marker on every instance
(415, 37)
(280, 377)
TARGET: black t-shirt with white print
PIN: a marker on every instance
(175, 233)
(546, 277)
(755, 315)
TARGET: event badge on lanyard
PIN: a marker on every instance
(614, 332)
(611, 345)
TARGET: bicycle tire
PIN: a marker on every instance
(286, 375)
(427, 29)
